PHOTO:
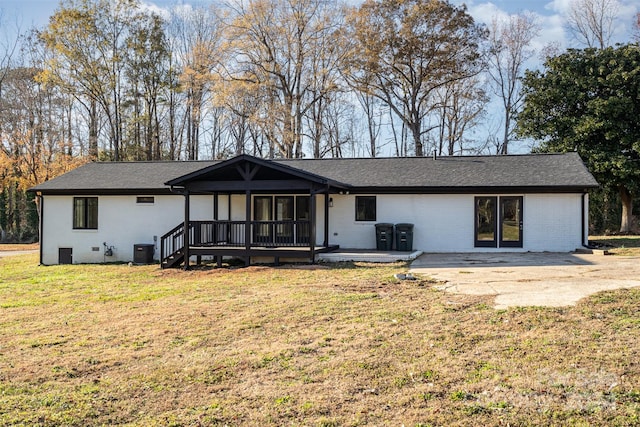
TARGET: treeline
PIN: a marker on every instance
(117, 80)
(274, 78)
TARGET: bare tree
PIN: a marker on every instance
(403, 52)
(591, 21)
(635, 36)
(197, 37)
(510, 48)
(284, 54)
(8, 46)
(371, 106)
(460, 107)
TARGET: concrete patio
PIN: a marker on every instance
(367, 255)
(529, 279)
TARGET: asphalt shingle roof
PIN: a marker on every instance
(534, 170)
(519, 171)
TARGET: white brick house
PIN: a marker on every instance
(249, 207)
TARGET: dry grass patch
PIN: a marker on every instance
(341, 345)
(19, 247)
(618, 245)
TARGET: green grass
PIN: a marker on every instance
(344, 345)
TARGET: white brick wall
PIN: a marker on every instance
(443, 223)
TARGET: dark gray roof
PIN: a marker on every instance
(530, 170)
(116, 176)
(534, 171)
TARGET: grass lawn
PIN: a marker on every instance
(619, 245)
(340, 345)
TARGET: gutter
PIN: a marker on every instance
(180, 191)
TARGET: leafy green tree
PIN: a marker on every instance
(589, 101)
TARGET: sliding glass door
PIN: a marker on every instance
(498, 222)
(281, 220)
(284, 216)
(303, 217)
(511, 222)
(263, 211)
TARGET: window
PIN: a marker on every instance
(145, 199)
(365, 208)
(85, 213)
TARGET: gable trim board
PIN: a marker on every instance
(436, 195)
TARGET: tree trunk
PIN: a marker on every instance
(417, 141)
(93, 131)
(504, 149)
(627, 210)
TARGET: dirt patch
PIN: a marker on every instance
(23, 247)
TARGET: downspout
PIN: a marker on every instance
(40, 206)
(585, 239)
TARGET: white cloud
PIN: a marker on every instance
(486, 12)
(559, 6)
(148, 6)
(623, 26)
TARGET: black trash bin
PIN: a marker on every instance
(384, 236)
(143, 253)
(404, 237)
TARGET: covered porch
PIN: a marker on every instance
(261, 209)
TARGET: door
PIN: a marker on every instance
(263, 213)
(486, 222)
(511, 222)
(284, 218)
(303, 230)
(65, 256)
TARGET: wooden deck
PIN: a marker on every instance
(218, 239)
(277, 253)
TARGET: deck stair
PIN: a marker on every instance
(172, 247)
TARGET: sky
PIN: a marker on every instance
(21, 15)
(551, 15)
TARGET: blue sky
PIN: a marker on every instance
(550, 14)
(28, 13)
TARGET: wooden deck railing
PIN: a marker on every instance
(232, 234)
(263, 233)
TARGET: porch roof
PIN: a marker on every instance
(234, 173)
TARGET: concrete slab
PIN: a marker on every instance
(367, 255)
(530, 279)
